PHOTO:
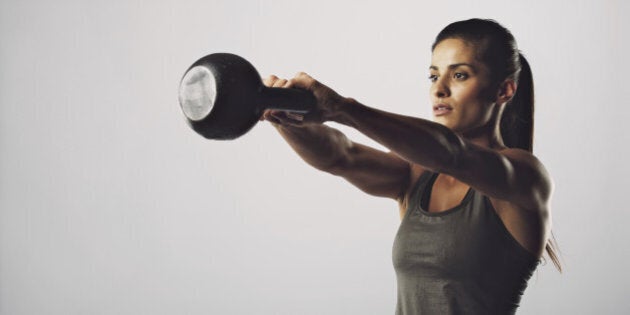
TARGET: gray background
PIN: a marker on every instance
(110, 204)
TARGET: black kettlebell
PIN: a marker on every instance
(223, 97)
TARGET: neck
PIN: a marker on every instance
(492, 140)
(488, 135)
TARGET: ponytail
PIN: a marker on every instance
(552, 250)
(517, 130)
(517, 121)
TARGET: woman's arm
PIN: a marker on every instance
(327, 149)
(373, 171)
(511, 174)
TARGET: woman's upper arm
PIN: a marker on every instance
(513, 175)
(375, 172)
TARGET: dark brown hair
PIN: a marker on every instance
(497, 49)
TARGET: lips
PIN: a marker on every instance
(442, 109)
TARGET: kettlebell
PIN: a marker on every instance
(222, 97)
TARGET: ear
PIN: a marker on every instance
(507, 89)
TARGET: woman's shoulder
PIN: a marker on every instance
(534, 174)
(527, 159)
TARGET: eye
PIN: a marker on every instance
(432, 77)
(461, 76)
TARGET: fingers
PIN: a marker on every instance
(269, 116)
(286, 118)
(300, 80)
(272, 117)
(270, 80)
(280, 83)
(265, 115)
(295, 116)
(303, 80)
(283, 118)
(274, 81)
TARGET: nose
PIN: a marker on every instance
(440, 88)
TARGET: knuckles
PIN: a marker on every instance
(274, 81)
(270, 80)
(301, 79)
(304, 80)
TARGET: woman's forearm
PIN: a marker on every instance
(417, 140)
(318, 145)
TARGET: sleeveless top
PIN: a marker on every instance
(459, 261)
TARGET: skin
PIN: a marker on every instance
(464, 146)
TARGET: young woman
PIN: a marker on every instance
(474, 201)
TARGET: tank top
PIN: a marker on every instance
(459, 261)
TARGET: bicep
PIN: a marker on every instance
(375, 172)
(513, 175)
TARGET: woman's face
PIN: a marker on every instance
(460, 91)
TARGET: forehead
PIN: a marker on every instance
(453, 51)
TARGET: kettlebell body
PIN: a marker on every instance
(222, 97)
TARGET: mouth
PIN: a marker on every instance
(442, 109)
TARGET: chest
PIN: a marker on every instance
(443, 194)
(457, 242)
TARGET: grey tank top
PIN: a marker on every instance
(459, 261)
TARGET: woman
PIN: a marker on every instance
(474, 200)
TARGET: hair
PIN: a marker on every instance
(497, 49)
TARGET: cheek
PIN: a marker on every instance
(473, 105)
(466, 97)
(474, 90)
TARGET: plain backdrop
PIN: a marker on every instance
(111, 204)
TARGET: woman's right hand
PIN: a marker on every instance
(278, 117)
(328, 102)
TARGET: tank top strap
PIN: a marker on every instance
(415, 196)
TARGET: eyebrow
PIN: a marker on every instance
(455, 65)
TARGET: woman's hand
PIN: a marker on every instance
(328, 101)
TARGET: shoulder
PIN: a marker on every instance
(509, 174)
(529, 176)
